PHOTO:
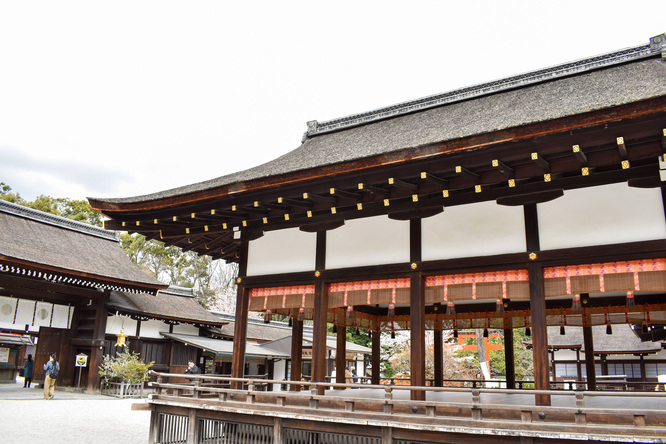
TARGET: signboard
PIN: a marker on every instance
(81, 360)
(4, 354)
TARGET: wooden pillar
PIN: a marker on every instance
(417, 327)
(240, 325)
(341, 353)
(438, 351)
(509, 359)
(579, 372)
(376, 354)
(296, 353)
(588, 341)
(319, 334)
(539, 332)
(537, 305)
(320, 316)
(416, 311)
(97, 349)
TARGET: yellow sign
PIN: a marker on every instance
(81, 360)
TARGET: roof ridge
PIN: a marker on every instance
(57, 221)
(656, 46)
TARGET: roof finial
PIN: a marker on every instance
(658, 44)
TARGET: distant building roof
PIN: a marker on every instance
(225, 347)
(174, 303)
(623, 340)
(38, 244)
(257, 330)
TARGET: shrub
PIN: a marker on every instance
(124, 367)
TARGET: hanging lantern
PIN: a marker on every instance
(121, 338)
(485, 332)
(631, 302)
(301, 314)
(335, 328)
(392, 334)
(562, 331)
(528, 331)
(609, 329)
(499, 306)
(268, 316)
(369, 334)
(391, 311)
(358, 330)
(575, 303)
(291, 322)
(350, 313)
(450, 308)
(455, 333)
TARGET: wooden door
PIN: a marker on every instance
(53, 340)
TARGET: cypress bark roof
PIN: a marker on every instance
(174, 303)
(623, 340)
(33, 242)
(597, 83)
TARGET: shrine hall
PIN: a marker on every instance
(532, 201)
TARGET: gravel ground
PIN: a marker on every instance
(69, 417)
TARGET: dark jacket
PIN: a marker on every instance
(27, 368)
(49, 367)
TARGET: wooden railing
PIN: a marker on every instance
(385, 414)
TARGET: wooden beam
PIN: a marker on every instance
(580, 155)
(530, 198)
(340, 193)
(434, 179)
(467, 173)
(397, 183)
(367, 188)
(328, 200)
(621, 147)
(540, 161)
(503, 168)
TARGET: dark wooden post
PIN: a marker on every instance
(319, 334)
(97, 350)
(588, 341)
(537, 305)
(376, 354)
(509, 359)
(296, 353)
(320, 316)
(341, 353)
(416, 311)
(438, 351)
(240, 324)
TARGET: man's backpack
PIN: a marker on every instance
(54, 371)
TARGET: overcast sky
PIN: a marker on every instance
(124, 98)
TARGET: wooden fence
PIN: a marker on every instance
(205, 411)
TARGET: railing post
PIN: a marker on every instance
(159, 384)
(197, 385)
(278, 431)
(250, 392)
(192, 427)
(580, 400)
(154, 432)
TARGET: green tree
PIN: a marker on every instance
(78, 210)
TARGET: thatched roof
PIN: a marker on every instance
(392, 133)
(174, 304)
(33, 242)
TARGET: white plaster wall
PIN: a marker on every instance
(45, 314)
(479, 229)
(279, 372)
(186, 329)
(115, 323)
(282, 251)
(601, 215)
(152, 329)
(370, 241)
